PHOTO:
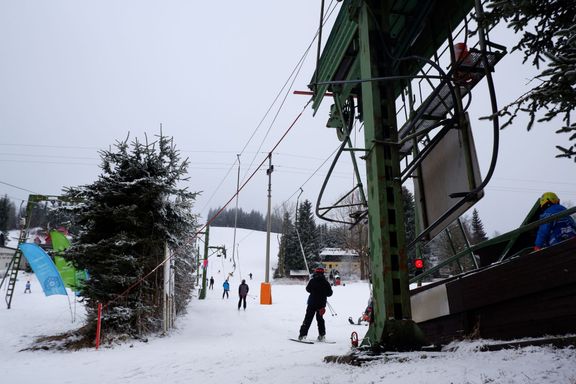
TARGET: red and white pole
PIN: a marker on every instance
(98, 325)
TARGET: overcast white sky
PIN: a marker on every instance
(76, 76)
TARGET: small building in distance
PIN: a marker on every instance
(299, 274)
(343, 262)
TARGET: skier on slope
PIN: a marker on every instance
(226, 286)
(243, 292)
(319, 289)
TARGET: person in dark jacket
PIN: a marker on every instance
(243, 292)
(319, 289)
(555, 231)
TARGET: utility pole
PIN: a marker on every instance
(236, 212)
(169, 309)
(204, 264)
(265, 289)
(269, 228)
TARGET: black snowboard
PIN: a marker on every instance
(302, 341)
(312, 342)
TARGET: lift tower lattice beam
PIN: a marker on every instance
(393, 328)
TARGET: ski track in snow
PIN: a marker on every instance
(216, 343)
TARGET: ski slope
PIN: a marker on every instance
(216, 343)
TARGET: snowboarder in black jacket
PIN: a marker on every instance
(243, 292)
(319, 289)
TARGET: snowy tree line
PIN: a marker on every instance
(248, 220)
(302, 236)
(302, 239)
(40, 216)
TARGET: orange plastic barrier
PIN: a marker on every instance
(265, 294)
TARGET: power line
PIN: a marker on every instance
(48, 156)
(46, 146)
(46, 162)
(534, 181)
(311, 176)
(294, 75)
(218, 187)
(296, 69)
(17, 187)
(210, 220)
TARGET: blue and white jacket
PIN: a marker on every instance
(555, 231)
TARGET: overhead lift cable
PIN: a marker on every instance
(210, 220)
(293, 76)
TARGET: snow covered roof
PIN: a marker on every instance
(338, 252)
(299, 272)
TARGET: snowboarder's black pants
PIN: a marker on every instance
(225, 294)
(310, 312)
(242, 299)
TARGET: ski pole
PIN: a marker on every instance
(332, 311)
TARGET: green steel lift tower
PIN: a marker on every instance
(373, 51)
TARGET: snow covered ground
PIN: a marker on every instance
(216, 343)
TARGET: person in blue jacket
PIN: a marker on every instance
(555, 231)
(319, 289)
(226, 287)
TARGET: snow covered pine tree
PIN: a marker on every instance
(125, 218)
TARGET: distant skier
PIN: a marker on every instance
(211, 286)
(27, 288)
(319, 289)
(226, 287)
(243, 292)
(250, 275)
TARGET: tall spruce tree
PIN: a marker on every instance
(477, 234)
(309, 234)
(7, 214)
(291, 246)
(301, 237)
(125, 218)
(548, 39)
(287, 227)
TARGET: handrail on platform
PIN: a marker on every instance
(509, 236)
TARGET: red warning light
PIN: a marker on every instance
(419, 263)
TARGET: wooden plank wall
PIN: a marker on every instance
(528, 296)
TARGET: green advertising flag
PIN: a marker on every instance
(59, 241)
(71, 277)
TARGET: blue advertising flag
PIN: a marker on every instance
(44, 268)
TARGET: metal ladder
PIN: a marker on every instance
(12, 270)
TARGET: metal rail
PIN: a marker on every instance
(504, 238)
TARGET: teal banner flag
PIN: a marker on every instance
(44, 268)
